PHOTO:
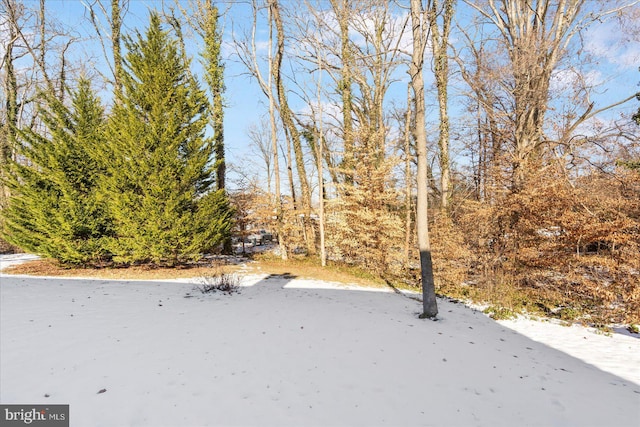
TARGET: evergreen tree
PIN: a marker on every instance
(54, 209)
(159, 177)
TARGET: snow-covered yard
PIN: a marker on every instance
(291, 352)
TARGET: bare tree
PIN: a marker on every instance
(274, 140)
(260, 140)
(343, 11)
(34, 59)
(291, 131)
(536, 36)
(247, 53)
(359, 160)
(408, 186)
(319, 157)
(420, 28)
(114, 15)
(439, 45)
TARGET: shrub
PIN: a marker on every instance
(220, 282)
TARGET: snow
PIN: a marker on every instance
(285, 351)
(617, 353)
(8, 260)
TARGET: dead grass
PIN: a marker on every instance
(52, 268)
(263, 264)
(310, 268)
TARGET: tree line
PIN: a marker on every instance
(501, 176)
(526, 198)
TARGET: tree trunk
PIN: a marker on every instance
(42, 27)
(340, 8)
(274, 142)
(11, 100)
(116, 27)
(429, 304)
(320, 145)
(290, 129)
(10, 87)
(439, 45)
(215, 78)
(408, 180)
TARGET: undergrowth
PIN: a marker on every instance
(219, 282)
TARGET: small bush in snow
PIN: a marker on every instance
(223, 282)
